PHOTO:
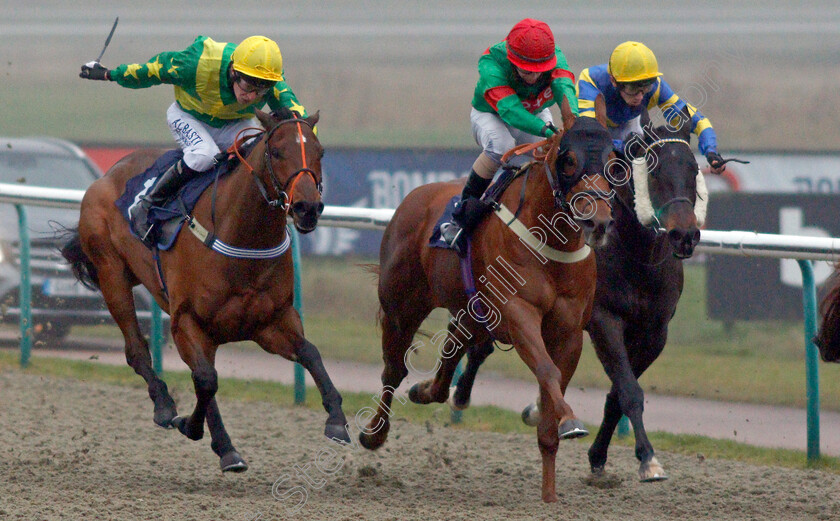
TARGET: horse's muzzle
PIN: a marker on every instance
(595, 231)
(305, 215)
(683, 241)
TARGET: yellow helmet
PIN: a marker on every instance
(633, 61)
(258, 57)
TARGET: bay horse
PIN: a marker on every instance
(659, 204)
(213, 297)
(828, 336)
(536, 298)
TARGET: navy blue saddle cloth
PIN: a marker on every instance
(171, 216)
(492, 194)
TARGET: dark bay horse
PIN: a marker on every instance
(828, 336)
(214, 298)
(658, 201)
(537, 299)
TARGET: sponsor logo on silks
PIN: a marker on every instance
(187, 135)
(534, 104)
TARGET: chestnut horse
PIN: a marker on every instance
(214, 297)
(828, 336)
(536, 298)
(659, 204)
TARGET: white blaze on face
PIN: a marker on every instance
(300, 138)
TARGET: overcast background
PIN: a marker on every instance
(402, 73)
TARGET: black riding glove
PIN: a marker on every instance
(549, 127)
(95, 71)
(714, 159)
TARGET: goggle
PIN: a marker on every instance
(250, 85)
(635, 87)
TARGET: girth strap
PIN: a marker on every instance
(215, 244)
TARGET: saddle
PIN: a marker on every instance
(488, 201)
(168, 219)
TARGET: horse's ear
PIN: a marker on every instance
(567, 114)
(601, 110)
(313, 118)
(265, 118)
(685, 129)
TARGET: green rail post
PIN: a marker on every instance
(25, 288)
(456, 416)
(157, 338)
(300, 375)
(812, 375)
(624, 427)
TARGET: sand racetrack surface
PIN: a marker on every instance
(79, 450)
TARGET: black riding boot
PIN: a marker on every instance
(468, 212)
(165, 187)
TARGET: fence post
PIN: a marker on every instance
(300, 376)
(812, 375)
(25, 288)
(157, 338)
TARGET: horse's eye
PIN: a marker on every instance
(276, 154)
(568, 161)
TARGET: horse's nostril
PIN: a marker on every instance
(299, 207)
(675, 235)
(319, 208)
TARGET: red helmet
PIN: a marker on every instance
(530, 46)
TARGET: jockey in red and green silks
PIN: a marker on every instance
(519, 79)
(218, 87)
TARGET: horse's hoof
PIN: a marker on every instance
(164, 418)
(531, 415)
(414, 394)
(571, 429)
(337, 433)
(652, 471)
(453, 403)
(181, 423)
(233, 462)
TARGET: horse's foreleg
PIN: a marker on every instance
(607, 334)
(285, 338)
(525, 329)
(116, 291)
(229, 459)
(336, 426)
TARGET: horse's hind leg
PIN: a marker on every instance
(451, 350)
(116, 289)
(396, 340)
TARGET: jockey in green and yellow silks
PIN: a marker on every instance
(218, 87)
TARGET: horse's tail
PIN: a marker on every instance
(829, 332)
(81, 265)
(373, 269)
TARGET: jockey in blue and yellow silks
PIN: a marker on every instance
(630, 83)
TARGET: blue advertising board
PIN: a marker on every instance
(377, 179)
